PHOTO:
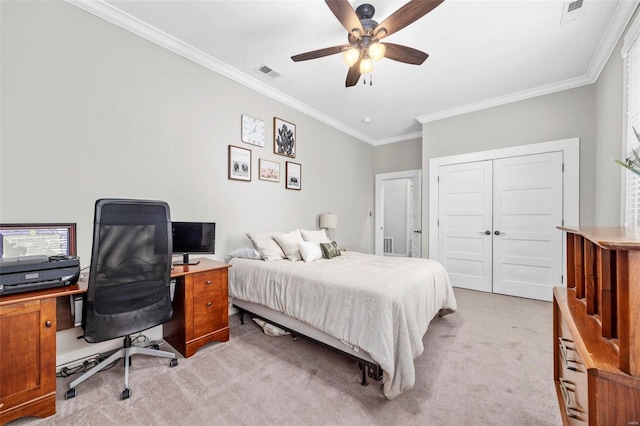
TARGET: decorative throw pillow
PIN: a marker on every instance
(266, 246)
(290, 244)
(310, 251)
(315, 236)
(330, 250)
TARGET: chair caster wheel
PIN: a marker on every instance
(125, 394)
(71, 393)
(173, 362)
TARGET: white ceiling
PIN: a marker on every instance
(482, 53)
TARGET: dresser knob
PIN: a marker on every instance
(208, 282)
(209, 304)
(47, 324)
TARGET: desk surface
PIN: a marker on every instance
(81, 287)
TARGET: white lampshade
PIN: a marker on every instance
(377, 51)
(328, 220)
(366, 66)
(351, 56)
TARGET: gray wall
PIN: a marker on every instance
(594, 113)
(609, 134)
(398, 157)
(561, 115)
(90, 110)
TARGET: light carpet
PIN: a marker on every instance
(490, 363)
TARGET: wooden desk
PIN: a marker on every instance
(28, 334)
(28, 352)
(200, 306)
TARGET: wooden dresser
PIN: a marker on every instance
(200, 306)
(597, 328)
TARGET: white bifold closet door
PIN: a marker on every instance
(497, 224)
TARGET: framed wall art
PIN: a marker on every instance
(252, 130)
(269, 170)
(239, 163)
(284, 137)
(293, 176)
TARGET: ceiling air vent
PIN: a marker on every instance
(268, 71)
(571, 11)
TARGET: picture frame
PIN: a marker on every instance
(284, 138)
(269, 170)
(252, 130)
(293, 179)
(239, 163)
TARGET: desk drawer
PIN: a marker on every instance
(210, 310)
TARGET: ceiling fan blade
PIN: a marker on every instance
(353, 75)
(320, 53)
(347, 16)
(404, 16)
(405, 54)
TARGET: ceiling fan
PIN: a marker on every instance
(364, 35)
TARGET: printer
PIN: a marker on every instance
(27, 273)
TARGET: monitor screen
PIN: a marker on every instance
(193, 237)
(27, 239)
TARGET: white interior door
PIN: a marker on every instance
(465, 214)
(413, 227)
(527, 208)
(416, 216)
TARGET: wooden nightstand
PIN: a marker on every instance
(200, 306)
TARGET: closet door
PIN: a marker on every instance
(527, 208)
(464, 200)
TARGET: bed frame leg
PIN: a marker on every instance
(241, 312)
(363, 367)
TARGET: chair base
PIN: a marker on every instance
(125, 352)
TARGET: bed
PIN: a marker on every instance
(374, 308)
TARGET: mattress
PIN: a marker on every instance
(382, 305)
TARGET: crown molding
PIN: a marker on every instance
(622, 15)
(132, 24)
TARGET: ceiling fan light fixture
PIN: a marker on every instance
(351, 56)
(366, 66)
(377, 51)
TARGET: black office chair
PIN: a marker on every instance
(129, 279)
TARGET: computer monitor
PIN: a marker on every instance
(27, 239)
(192, 238)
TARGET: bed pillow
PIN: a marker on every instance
(290, 244)
(315, 236)
(266, 246)
(310, 251)
(330, 250)
(248, 252)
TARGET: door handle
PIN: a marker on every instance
(418, 231)
(487, 232)
(500, 233)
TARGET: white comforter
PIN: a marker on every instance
(380, 304)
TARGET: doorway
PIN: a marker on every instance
(494, 217)
(398, 219)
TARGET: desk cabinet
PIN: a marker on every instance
(27, 359)
(597, 328)
(200, 307)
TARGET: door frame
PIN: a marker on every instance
(570, 181)
(379, 204)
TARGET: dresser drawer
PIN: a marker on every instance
(573, 378)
